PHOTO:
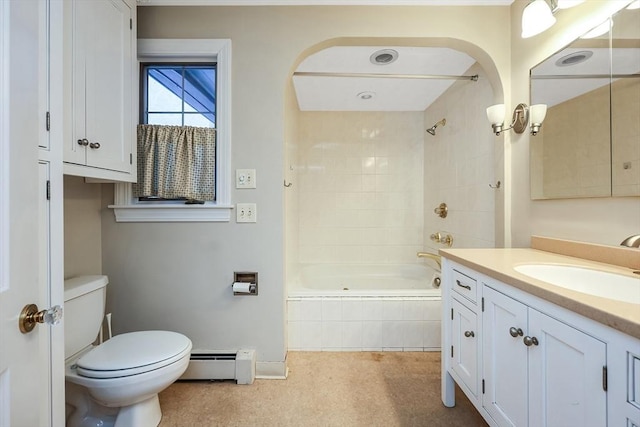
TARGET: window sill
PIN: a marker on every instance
(171, 213)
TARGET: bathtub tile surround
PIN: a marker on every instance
(364, 323)
(360, 187)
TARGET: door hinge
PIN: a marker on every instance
(48, 190)
(48, 121)
(130, 158)
(482, 302)
(451, 351)
(452, 314)
(605, 384)
(483, 386)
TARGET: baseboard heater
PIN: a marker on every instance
(239, 366)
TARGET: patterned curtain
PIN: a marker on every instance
(176, 162)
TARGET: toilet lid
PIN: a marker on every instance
(133, 353)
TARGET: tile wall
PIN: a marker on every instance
(360, 195)
(364, 324)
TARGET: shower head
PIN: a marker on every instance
(432, 129)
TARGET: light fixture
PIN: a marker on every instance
(537, 16)
(634, 5)
(537, 113)
(520, 118)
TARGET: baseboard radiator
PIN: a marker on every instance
(239, 366)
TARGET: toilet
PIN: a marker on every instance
(115, 383)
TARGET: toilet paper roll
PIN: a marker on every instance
(242, 287)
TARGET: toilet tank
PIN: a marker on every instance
(84, 300)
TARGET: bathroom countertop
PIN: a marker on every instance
(500, 263)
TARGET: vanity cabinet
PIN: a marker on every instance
(538, 371)
(530, 362)
(100, 141)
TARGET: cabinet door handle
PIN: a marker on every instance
(84, 142)
(469, 334)
(515, 332)
(94, 145)
(529, 341)
(463, 286)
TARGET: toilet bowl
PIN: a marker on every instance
(117, 382)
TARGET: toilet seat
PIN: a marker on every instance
(133, 353)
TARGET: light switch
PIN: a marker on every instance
(246, 212)
(245, 178)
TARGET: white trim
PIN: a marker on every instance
(125, 207)
(5, 123)
(325, 2)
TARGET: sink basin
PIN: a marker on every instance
(593, 282)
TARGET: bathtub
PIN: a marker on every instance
(364, 308)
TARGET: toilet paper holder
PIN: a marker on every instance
(249, 277)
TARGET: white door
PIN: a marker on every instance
(565, 375)
(505, 359)
(25, 367)
(464, 340)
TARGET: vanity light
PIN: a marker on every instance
(520, 118)
(537, 113)
(537, 16)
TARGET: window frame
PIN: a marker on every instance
(126, 207)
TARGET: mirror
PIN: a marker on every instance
(589, 143)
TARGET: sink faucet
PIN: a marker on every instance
(631, 241)
(434, 257)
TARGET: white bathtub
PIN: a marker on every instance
(364, 308)
(366, 280)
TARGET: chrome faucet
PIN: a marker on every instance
(631, 241)
(434, 257)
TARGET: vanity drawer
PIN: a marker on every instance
(465, 286)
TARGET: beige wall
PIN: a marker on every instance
(178, 276)
(460, 163)
(601, 220)
(361, 187)
(82, 227)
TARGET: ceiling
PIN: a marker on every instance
(337, 93)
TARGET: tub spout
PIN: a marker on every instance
(434, 257)
(631, 241)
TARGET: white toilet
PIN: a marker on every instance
(117, 382)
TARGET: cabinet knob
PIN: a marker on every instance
(94, 145)
(469, 334)
(515, 332)
(84, 142)
(529, 341)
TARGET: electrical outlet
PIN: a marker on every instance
(245, 178)
(246, 212)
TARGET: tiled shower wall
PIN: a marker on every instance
(360, 189)
(460, 162)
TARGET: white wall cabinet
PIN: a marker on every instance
(537, 370)
(100, 141)
(536, 364)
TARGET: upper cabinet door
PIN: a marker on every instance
(102, 85)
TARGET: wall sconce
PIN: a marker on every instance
(537, 16)
(520, 119)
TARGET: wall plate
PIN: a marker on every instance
(246, 212)
(245, 178)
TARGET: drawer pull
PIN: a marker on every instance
(463, 286)
(515, 332)
(469, 334)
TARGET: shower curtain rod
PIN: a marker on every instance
(385, 76)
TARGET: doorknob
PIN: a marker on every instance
(30, 316)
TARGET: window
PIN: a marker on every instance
(178, 94)
(176, 76)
